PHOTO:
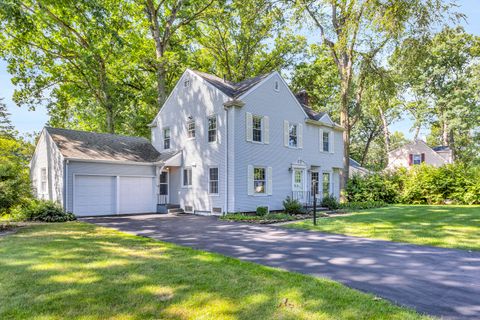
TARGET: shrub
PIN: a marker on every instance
(292, 206)
(47, 211)
(262, 211)
(330, 202)
(14, 185)
(423, 184)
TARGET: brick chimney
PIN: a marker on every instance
(302, 97)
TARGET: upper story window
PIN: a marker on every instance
(212, 129)
(292, 135)
(166, 138)
(191, 129)
(187, 177)
(186, 83)
(43, 180)
(213, 181)
(276, 86)
(417, 159)
(326, 141)
(257, 128)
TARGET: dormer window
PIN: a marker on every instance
(276, 86)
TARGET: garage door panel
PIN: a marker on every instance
(94, 195)
(136, 195)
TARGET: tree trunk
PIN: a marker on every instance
(417, 132)
(160, 71)
(106, 100)
(445, 138)
(367, 147)
(386, 132)
(345, 123)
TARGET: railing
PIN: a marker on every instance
(162, 199)
(305, 198)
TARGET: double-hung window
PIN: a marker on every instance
(187, 177)
(257, 129)
(326, 141)
(166, 138)
(292, 135)
(191, 129)
(43, 180)
(326, 184)
(417, 159)
(212, 129)
(259, 180)
(213, 181)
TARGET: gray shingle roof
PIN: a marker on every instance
(102, 146)
(231, 89)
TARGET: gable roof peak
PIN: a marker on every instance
(230, 88)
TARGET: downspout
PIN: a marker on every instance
(226, 161)
(65, 187)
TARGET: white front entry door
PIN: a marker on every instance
(298, 184)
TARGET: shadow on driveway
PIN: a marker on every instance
(436, 281)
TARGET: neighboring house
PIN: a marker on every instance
(357, 169)
(216, 147)
(419, 152)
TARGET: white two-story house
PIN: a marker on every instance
(216, 147)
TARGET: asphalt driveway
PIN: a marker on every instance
(436, 281)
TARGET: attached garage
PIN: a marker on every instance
(96, 195)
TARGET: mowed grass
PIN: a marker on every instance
(441, 226)
(80, 271)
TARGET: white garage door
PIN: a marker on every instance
(94, 195)
(137, 195)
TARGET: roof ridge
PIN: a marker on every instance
(94, 132)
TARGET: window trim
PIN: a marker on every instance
(189, 122)
(218, 181)
(187, 168)
(43, 191)
(327, 133)
(258, 117)
(214, 116)
(330, 192)
(296, 135)
(419, 155)
(165, 138)
(265, 181)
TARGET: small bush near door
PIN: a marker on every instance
(262, 211)
(292, 206)
(330, 202)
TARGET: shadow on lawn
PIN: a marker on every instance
(76, 270)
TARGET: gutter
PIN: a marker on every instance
(323, 124)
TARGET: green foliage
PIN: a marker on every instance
(262, 211)
(268, 218)
(374, 187)
(292, 206)
(423, 184)
(363, 205)
(330, 202)
(46, 211)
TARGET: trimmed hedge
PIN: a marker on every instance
(423, 184)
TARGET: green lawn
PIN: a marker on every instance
(441, 226)
(79, 271)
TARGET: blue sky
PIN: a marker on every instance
(32, 121)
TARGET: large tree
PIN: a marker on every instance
(360, 30)
(441, 75)
(244, 38)
(6, 127)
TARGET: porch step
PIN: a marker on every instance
(175, 210)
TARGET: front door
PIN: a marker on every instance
(163, 195)
(298, 184)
